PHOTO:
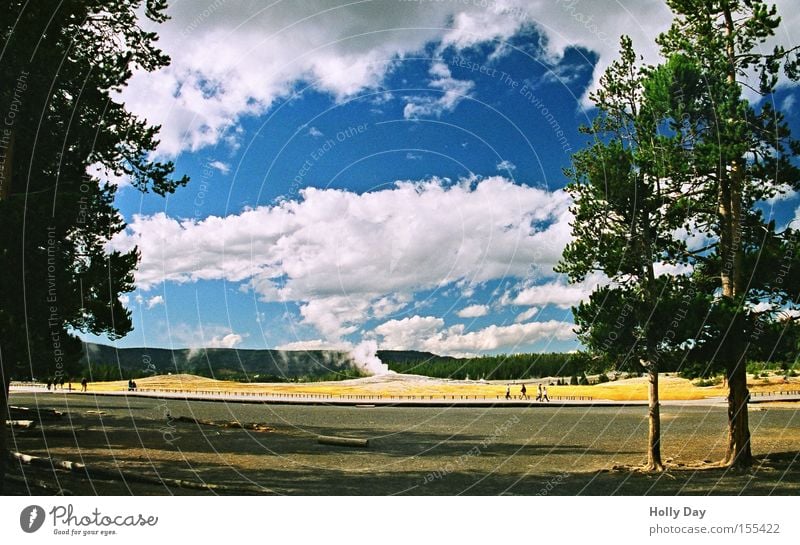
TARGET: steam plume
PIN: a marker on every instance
(366, 359)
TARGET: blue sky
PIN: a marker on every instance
(388, 172)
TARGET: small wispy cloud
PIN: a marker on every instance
(155, 301)
(413, 156)
(452, 92)
(506, 165)
(473, 311)
(527, 315)
(222, 168)
(315, 132)
(203, 336)
(788, 103)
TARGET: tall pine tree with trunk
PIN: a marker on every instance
(627, 208)
(740, 157)
(61, 65)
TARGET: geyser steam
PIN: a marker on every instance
(366, 359)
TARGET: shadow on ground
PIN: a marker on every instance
(412, 451)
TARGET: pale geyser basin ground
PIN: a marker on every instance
(671, 387)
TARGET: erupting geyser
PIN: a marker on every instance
(365, 357)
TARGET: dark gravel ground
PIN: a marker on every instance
(440, 451)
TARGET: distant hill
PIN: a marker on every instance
(109, 362)
(104, 362)
(218, 362)
(405, 356)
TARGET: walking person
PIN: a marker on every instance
(524, 392)
(84, 384)
(508, 392)
(544, 395)
(539, 393)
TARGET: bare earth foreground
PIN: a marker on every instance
(143, 445)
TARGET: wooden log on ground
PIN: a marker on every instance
(50, 463)
(21, 424)
(234, 424)
(342, 441)
(23, 413)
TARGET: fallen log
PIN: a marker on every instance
(343, 441)
(27, 413)
(233, 424)
(50, 463)
(21, 424)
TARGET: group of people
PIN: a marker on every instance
(131, 385)
(54, 384)
(541, 394)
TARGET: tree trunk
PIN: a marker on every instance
(732, 253)
(739, 454)
(654, 462)
(726, 238)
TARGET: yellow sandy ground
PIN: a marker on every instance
(671, 387)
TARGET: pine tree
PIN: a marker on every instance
(61, 65)
(740, 156)
(626, 190)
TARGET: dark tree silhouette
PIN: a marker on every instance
(61, 64)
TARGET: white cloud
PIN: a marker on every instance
(243, 56)
(558, 292)
(526, 315)
(787, 105)
(227, 341)
(100, 172)
(314, 344)
(413, 156)
(409, 333)
(155, 301)
(223, 168)
(506, 165)
(785, 193)
(564, 74)
(315, 132)
(428, 333)
(203, 336)
(346, 257)
(473, 311)
(680, 269)
(453, 91)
